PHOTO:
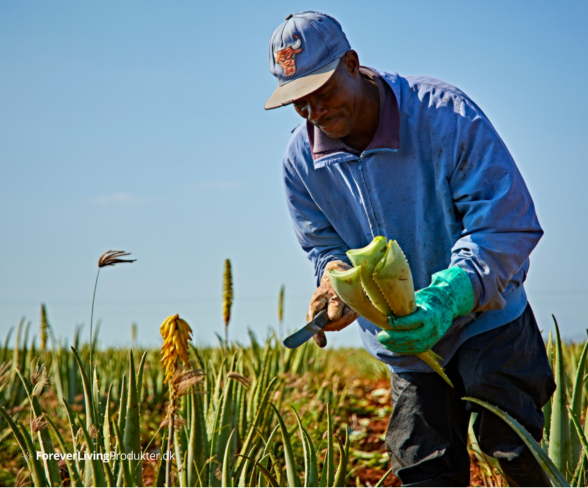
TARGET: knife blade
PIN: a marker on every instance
(315, 325)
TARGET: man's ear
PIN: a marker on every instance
(351, 62)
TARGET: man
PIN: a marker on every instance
(415, 160)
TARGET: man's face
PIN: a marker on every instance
(333, 108)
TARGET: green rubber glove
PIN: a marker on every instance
(449, 295)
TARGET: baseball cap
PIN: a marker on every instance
(304, 52)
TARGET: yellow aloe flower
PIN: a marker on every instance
(176, 333)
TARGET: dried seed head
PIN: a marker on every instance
(4, 375)
(38, 378)
(227, 292)
(179, 422)
(44, 327)
(38, 424)
(176, 333)
(184, 379)
(110, 258)
(246, 382)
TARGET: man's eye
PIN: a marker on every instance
(326, 94)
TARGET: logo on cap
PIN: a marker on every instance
(286, 57)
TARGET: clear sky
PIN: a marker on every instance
(139, 125)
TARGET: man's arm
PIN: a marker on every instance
(500, 229)
(500, 226)
(323, 246)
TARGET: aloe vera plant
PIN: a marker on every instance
(384, 274)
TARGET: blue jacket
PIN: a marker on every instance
(449, 193)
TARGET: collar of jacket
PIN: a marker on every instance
(386, 138)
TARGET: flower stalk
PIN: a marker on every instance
(227, 298)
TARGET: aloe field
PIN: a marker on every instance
(254, 414)
(246, 415)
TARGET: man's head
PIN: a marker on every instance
(318, 73)
(304, 52)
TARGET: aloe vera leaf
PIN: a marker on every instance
(548, 405)
(394, 278)
(244, 471)
(90, 413)
(95, 465)
(577, 403)
(433, 363)
(108, 474)
(341, 473)
(73, 429)
(560, 448)
(198, 441)
(74, 474)
(38, 474)
(581, 436)
(555, 475)
(132, 432)
(325, 471)
(97, 407)
(106, 434)
(19, 439)
(383, 479)
(291, 471)
(367, 259)
(226, 415)
(140, 379)
(50, 464)
(330, 450)
(125, 470)
(347, 285)
(266, 473)
(227, 458)
(259, 416)
(310, 462)
(123, 399)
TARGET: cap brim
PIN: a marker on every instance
(300, 87)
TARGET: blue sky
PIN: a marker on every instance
(140, 126)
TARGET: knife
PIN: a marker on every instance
(300, 337)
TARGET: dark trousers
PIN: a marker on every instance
(428, 431)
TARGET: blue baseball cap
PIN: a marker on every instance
(304, 52)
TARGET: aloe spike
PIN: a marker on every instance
(347, 285)
(577, 403)
(367, 258)
(555, 475)
(394, 278)
(560, 448)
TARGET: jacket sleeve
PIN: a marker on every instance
(499, 224)
(314, 232)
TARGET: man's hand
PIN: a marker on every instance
(450, 295)
(339, 314)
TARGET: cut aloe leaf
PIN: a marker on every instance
(367, 258)
(393, 277)
(347, 285)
